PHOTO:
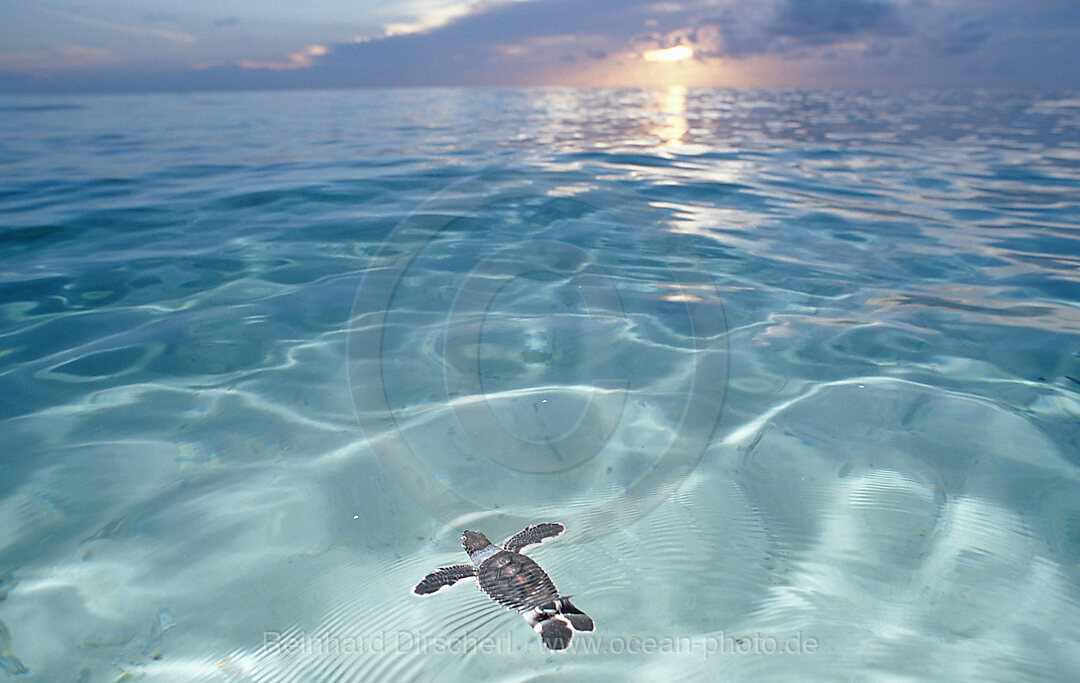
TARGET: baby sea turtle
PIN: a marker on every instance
(516, 582)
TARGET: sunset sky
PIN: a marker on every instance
(170, 45)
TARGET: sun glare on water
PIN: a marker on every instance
(669, 54)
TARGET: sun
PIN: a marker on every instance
(669, 54)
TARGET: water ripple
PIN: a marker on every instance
(895, 475)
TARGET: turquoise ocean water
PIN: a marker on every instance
(800, 371)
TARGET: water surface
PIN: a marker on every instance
(220, 463)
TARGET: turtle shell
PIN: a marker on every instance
(515, 581)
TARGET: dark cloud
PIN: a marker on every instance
(959, 36)
(829, 20)
(505, 43)
(783, 26)
(544, 33)
(526, 42)
(545, 41)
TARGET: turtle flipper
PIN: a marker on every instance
(579, 621)
(533, 535)
(555, 634)
(556, 621)
(444, 577)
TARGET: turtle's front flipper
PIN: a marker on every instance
(444, 577)
(533, 535)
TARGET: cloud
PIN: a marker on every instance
(771, 42)
(433, 18)
(531, 42)
(145, 31)
(783, 26)
(828, 20)
(550, 41)
(957, 35)
(492, 44)
(59, 58)
(297, 60)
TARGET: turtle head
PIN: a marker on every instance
(474, 541)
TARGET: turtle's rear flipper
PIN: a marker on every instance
(578, 620)
(555, 633)
(556, 622)
(553, 628)
(444, 577)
